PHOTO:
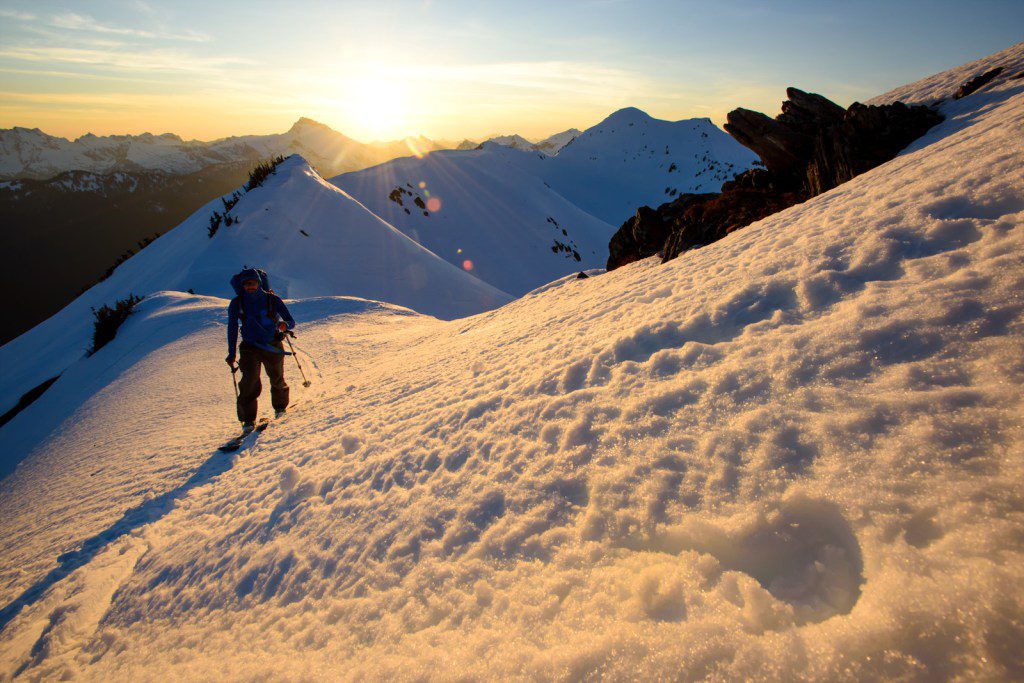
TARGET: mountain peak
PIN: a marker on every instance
(626, 116)
(305, 124)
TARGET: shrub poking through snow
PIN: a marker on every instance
(109, 319)
(215, 220)
(262, 170)
(256, 178)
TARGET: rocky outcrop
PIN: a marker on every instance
(978, 82)
(811, 147)
(865, 137)
(815, 145)
(645, 233)
(713, 218)
(786, 142)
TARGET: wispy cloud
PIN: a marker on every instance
(560, 78)
(125, 60)
(82, 22)
(15, 14)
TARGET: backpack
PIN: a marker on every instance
(236, 284)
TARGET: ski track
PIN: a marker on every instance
(794, 453)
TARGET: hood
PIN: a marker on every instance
(250, 274)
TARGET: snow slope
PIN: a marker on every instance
(313, 239)
(795, 453)
(523, 218)
(486, 210)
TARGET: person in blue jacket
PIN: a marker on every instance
(265, 319)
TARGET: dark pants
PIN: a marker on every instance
(249, 362)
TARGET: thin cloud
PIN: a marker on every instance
(82, 22)
(15, 14)
(126, 60)
(563, 77)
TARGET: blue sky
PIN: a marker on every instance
(460, 69)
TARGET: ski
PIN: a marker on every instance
(236, 443)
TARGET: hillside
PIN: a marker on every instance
(313, 238)
(794, 453)
(82, 204)
(631, 159)
(486, 210)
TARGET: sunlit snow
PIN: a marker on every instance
(794, 453)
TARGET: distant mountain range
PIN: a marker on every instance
(31, 153)
(550, 145)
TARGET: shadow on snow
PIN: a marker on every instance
(142, 514)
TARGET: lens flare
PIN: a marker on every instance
(414, 147)
(433, 205)
(467, 265)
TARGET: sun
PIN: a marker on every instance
(376, 108)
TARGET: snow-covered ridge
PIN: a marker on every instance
(551, 145)
(313, 238)
(487, 211)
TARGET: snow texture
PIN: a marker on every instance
(795, 453)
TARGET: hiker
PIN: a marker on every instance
(265, 320)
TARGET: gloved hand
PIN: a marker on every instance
(230, 360)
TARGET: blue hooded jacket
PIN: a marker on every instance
(259, 325)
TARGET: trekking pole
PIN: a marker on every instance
(288, 335)
(234, 369)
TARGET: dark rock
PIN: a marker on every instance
(780, 148)
(815, 144)
(808, 113)
(645, 233)
(866, 137)
(581, 275)
(977, 82)
(710, 220)
(754, 179)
